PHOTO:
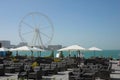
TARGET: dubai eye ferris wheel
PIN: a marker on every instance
(36, 29)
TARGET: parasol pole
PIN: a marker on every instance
(94, 53)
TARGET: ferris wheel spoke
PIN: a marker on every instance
(33, 18)
(27, 32)
(41, 26)
(45, 35)
(46, 27)
(28, 25)
(40, 40)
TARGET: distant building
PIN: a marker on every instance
(0, 45)
(54, 47)
(22, 44)
(5, 43)
(13, 46)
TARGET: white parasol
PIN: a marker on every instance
(4, 49)
(26, 48)
(94, 49)
(73, 48)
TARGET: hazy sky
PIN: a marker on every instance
(84, 22)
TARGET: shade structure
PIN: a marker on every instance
(73, 48)
(11, 49)
(4, 49)
(23, 48)
(94, 49)
(27, 48)
(37, 49)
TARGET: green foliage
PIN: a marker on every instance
(52, 54)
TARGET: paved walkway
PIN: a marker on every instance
(9, 76)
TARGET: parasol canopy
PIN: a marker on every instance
(94, 49)
(72, 48)
(4, 49)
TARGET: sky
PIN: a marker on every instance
(84, 22)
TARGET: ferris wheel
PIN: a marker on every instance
(36, 29)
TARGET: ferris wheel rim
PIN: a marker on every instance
(38, 13)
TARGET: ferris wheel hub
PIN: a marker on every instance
(37, 30)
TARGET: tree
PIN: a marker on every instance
(52, 54)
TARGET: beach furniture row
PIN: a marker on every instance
(92, 70)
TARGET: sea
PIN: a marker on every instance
(115, 54)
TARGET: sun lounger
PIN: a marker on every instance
(36, 74)
(2, 70)
(104, 73)
(24, 73)
(76, 74)
(9, 69)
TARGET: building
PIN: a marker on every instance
(22, 44)
(54, 47)
(5, 43)
(0, 45)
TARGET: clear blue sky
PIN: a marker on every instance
(84, 22)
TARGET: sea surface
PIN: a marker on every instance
(87, 54)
